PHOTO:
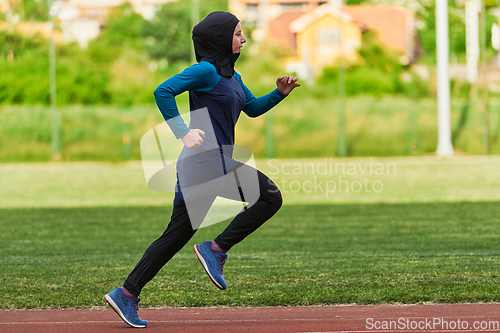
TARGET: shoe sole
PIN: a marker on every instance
(120, 313)
(204, 264)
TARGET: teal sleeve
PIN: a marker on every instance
(199, 77)
(254, 106)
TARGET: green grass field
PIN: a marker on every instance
(72, 232)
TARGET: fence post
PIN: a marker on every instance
(412, 129)
(56, 145)
(269, 133)
(126, 137)
(341, 135)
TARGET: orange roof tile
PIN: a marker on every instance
(279, 28)
(390, 22)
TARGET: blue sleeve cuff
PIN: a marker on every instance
(178, 126)
(279, 94)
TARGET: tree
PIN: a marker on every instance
(168, 35)
(123, 28)
(35, 10)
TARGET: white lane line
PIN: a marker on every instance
(398, 331)
(168, 321)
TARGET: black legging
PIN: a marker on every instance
(180, 231)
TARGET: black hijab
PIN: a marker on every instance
(213, 41)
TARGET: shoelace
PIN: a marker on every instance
(136, 306)
(222, 260)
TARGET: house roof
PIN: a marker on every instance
(306, 19)
(390, 22)
(279, 28)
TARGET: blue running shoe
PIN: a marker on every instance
(125, 308)
(212, 262)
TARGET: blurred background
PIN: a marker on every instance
(77, 76)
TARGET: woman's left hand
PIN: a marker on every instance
(286, 84)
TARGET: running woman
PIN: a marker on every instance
(212, 84)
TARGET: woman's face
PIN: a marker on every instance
(238, 39)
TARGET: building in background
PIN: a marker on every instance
(251, 11)
(319, 38)
(396, 28)
(3, 6)
(98, 9)
(83, 20)
(319, 32)
(259, 12)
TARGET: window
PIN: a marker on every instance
(290, 7)
(252, 12)
(329, 36)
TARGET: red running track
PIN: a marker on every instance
(354, 319)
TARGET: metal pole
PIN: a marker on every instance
(195, 18)
(341, 135)
(342, 141)
(484, 76)
(56, 152)
(472, 39)
(445, 147)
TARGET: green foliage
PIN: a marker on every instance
(375, 55)
(368, 80)
(426, 17)
(123, 29)
(25, 80)
(168, 35)
(456, 21)
(20, 45)
(35, 10)
(82, 81)
(208, 6)
(377, 73)
(492, 3)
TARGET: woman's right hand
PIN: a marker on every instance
(194, 138)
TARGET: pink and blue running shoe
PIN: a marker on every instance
(125, 308)
(212, 262)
